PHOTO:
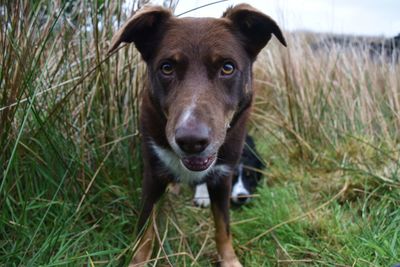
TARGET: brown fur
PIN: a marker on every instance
(196, 111)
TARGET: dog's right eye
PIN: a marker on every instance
(167, 68)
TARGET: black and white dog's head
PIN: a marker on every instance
(246, 178)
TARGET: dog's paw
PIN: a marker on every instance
(231, 263)
(201, 197)
(202, 203)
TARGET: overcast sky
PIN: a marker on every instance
(360, 17)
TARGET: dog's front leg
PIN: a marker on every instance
(152, 190)
(219, 195)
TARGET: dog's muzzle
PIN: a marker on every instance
(198, 164)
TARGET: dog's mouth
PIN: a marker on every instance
(198, 164)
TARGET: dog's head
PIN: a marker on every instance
(247, 174)
(199, 72)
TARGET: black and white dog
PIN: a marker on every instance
(245, 178)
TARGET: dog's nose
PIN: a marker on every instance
(193, 138)
(241, 199)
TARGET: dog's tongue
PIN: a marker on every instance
(198, 164)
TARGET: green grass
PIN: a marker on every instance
(325, 122)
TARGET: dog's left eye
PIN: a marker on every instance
(227, 69)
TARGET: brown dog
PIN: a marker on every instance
(193, 114)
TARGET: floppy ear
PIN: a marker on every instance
(254, 27)
(142, 28)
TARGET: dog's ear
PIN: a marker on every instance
(254, 27)
(142, 29)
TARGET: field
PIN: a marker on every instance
(326, 122)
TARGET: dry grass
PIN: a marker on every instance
(324, 94)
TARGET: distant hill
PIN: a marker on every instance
(388, 48)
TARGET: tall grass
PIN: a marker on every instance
(70, 161)
(69, 137)
(318, 96)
